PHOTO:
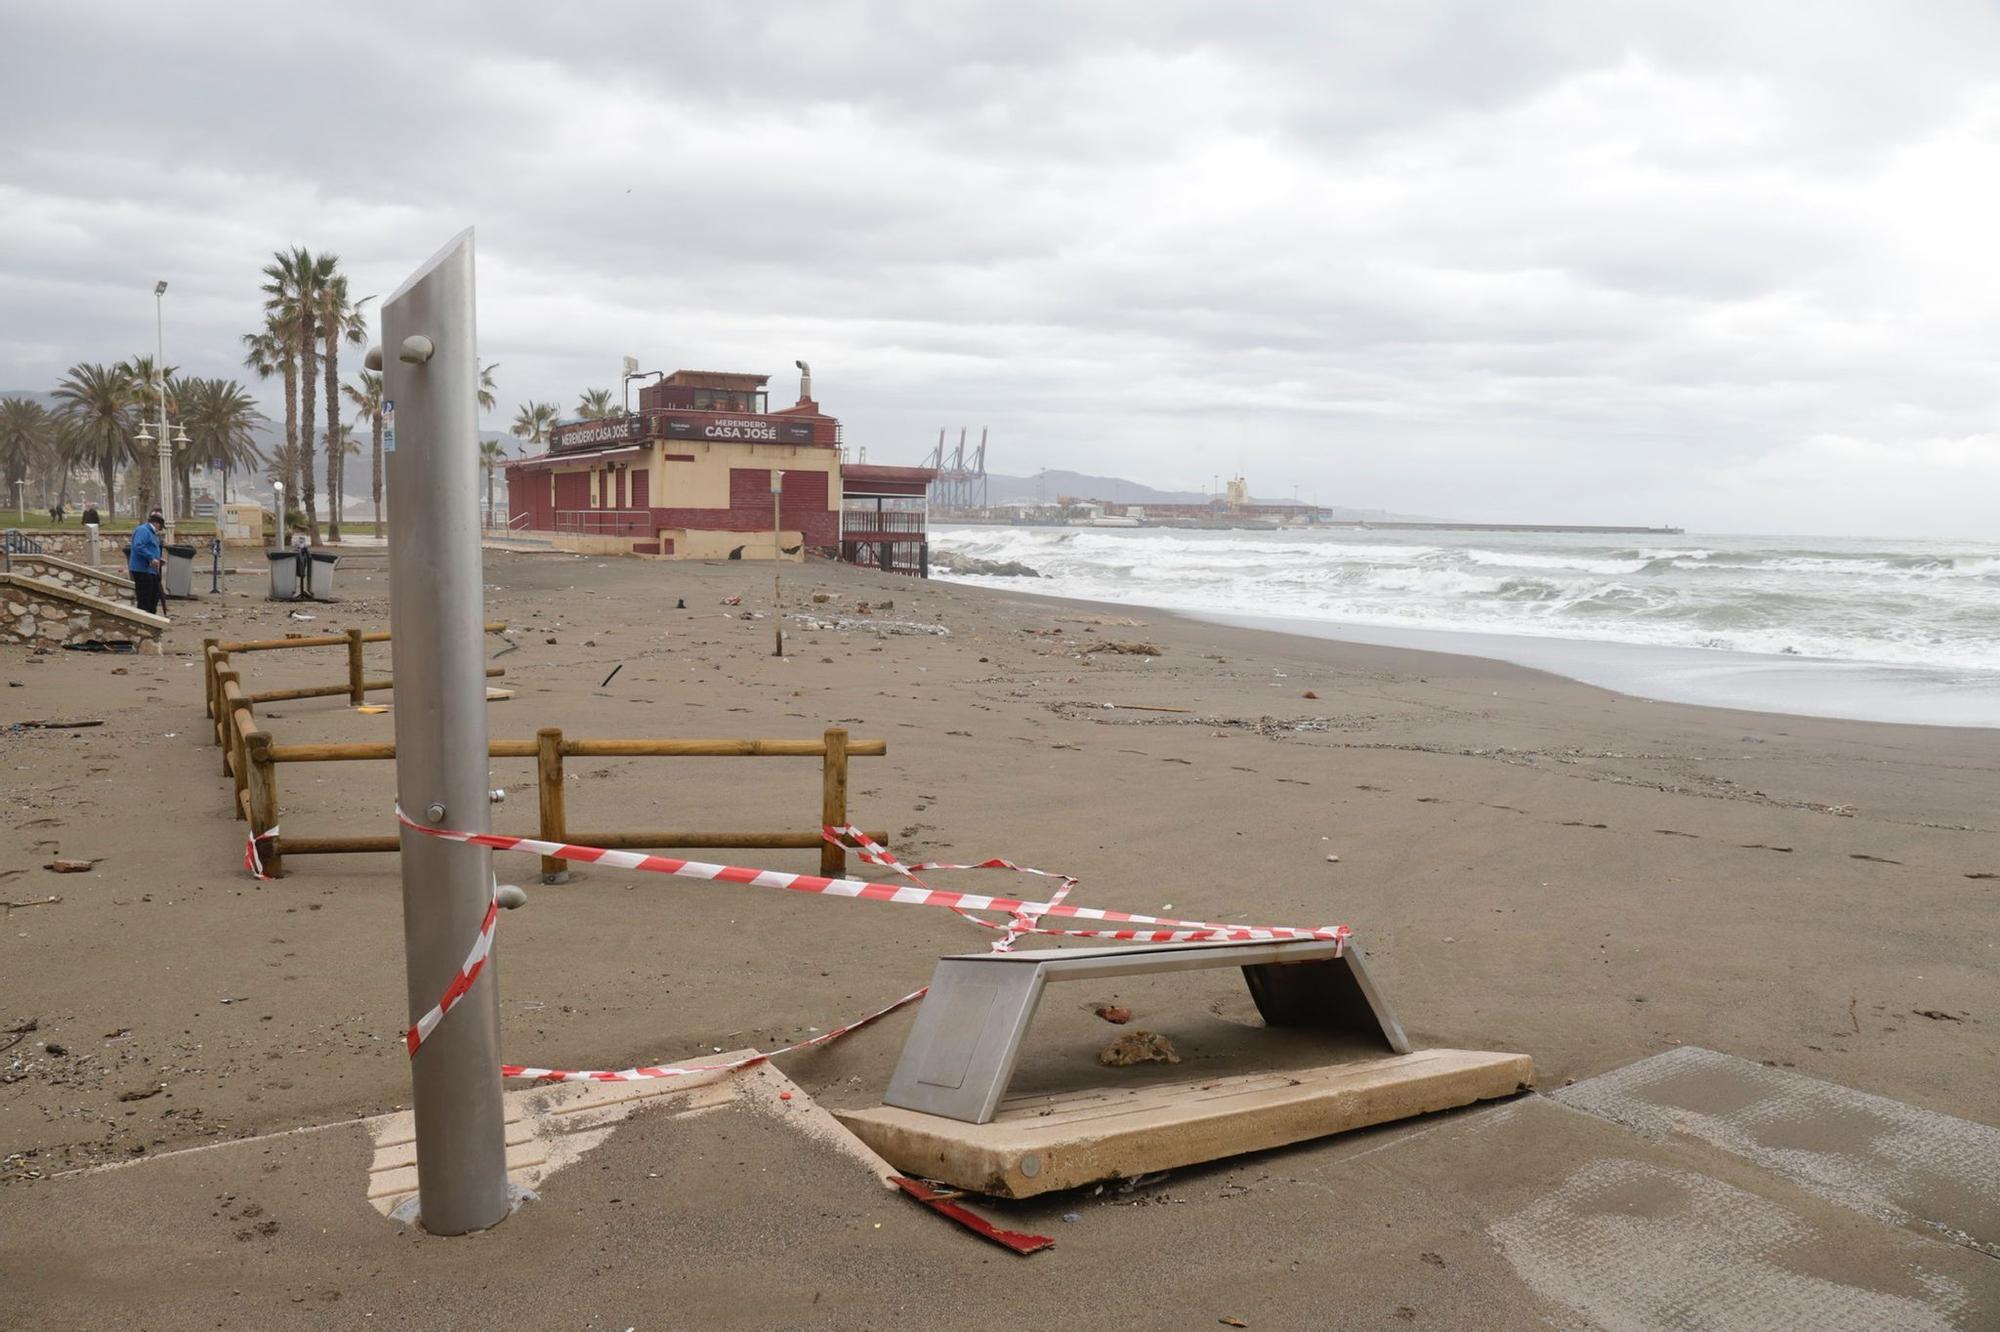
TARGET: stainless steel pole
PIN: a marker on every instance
(431, 375)
(777, 555)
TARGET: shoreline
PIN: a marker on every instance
(1828, 688)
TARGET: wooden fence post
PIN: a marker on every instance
(208, 673)
(833, 801)
(356, 695)
(549, 777)
(225, 721)
(264, 801)
(218, 707)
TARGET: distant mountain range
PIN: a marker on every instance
(1048, 485)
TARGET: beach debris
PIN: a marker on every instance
(302, 615)
(55, 725)
(732, 601)
(1308, 694)
(12, 907)
(373, 709)
(1116, 1014)
(1141, 707)
(942, 1201)
(510, 896)
(1851, 1014)
(1333, 860)
(1937, 1015)
(614, 673)
(1231, 1320)
(1133, 649)
(19, 1031)
(821, 598)
(880, 628)
(142, 1093)
(1138, 1047)
(61, 866)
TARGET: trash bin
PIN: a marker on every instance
(284, 575)
(177, 579)
(319, 575)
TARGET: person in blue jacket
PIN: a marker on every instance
(145, 563)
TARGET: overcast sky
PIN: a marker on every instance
(1730, 266)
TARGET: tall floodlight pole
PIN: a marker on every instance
(166, 443)
(777, 555)
(431, 390)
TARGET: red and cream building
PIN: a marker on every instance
(688, 476)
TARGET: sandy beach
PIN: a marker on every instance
(1530, 863)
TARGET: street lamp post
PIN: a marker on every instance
(166, 442)
(21, 499)
(777, 555)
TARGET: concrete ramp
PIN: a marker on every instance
(1887, 1159)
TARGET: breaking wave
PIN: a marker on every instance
(1934, 604)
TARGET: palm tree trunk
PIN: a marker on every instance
(375, 480)
(308, 369)
(336, 459)
(489, 494)
(292, 419)
(107, 472)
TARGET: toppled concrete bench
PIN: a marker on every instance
(47, 614)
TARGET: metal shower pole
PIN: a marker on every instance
(431, 387)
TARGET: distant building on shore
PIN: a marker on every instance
(688, 475)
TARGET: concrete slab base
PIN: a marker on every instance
(1038, 1143)
(549, 1127)
(1885, 1158)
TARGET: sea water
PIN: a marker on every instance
(1900, 630)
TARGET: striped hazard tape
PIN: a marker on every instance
(1023, 917)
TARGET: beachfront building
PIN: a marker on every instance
(687, 475)
(884, 517)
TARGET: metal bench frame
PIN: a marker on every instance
(960, 1055)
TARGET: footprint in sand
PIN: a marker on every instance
(1983, 875)
(1669, 832)
(1579, 823)
(38, 823)
(1766, 846)
(1430, 800)
(1878, 860)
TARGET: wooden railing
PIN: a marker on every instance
(251, 755)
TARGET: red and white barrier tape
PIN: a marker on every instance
(253, 860)
(468, 972)
(1023, 918)
(1175, 931)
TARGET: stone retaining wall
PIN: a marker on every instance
(50, 615)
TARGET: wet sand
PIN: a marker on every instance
(1531, 863)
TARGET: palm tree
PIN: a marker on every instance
(491, 455)
(596, 404)
(532, 422)
(94, 423)
(367, 401)
(281, 467)
(27, 441)
(294, 291)
(220, 417)
(145, 382)
(487, 387)
(269, 353)
(339, 320)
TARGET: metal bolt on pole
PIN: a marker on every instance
(431, 374)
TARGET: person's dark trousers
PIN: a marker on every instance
(146, 588)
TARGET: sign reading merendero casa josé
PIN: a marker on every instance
(680, 425)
